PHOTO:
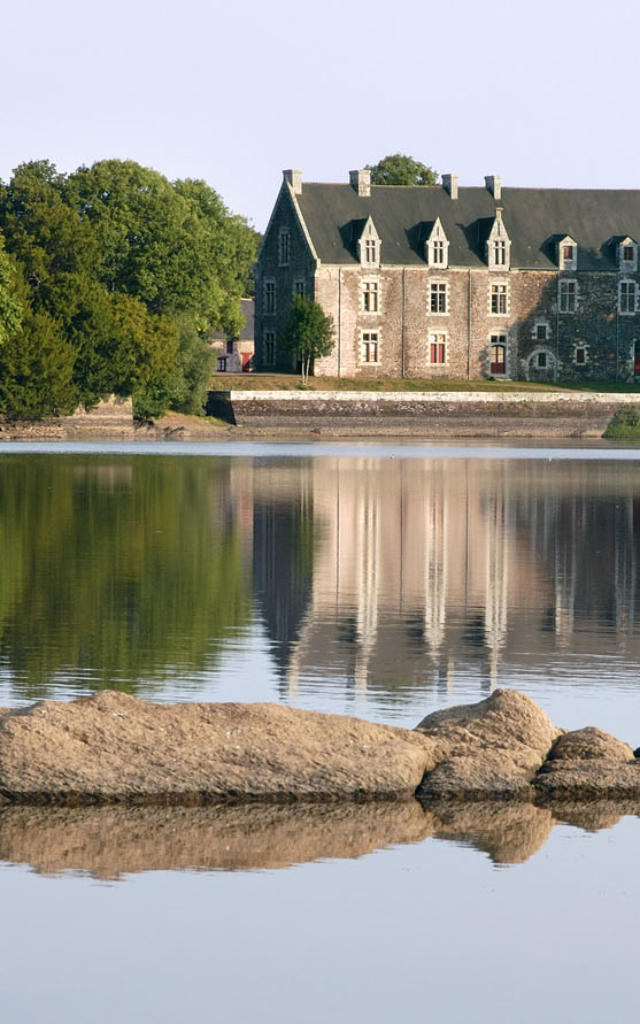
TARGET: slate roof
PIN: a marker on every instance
(535, 219)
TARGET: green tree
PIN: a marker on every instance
(36, 370)
(11, 307)
(398, 169)
(308, 332)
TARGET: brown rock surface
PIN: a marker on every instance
(589, 764)
(493, 748)
(510, 832)
(113, 747)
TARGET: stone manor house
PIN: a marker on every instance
(427, 281)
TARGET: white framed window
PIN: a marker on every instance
(567, 253)
(370, 250)
(284, 247)
(269, 348)
(498, 354)
(627, 297)
(567, 295)
(580, 354)
(270, 297)
(298, 287)
(438, 354)
(369, 347)
(370, 296)
(499, 252)
(541, 360)
(438, 252)
(541, 332)
(439, 297)
(628, 255)
(499, 299)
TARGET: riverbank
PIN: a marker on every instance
(301, 416)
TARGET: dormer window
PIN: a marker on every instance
(369, 245)
(628, 255)
(437, 247)
(498, 244)
(567, 253)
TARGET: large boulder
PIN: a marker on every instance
(112, 747)
(490, 749)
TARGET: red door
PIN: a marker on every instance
(498, 364)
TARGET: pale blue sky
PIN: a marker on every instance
(541, 93)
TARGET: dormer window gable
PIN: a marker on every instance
(437, 247)
(369, 245)
(498, 244)
(567, 253)
(628, 255)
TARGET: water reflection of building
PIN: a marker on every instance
(390, 572)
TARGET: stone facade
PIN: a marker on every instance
(452, 282)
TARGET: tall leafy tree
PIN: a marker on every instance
(11, 306)
(398, 169)
(308, 332)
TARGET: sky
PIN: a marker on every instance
(234, 92)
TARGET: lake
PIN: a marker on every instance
(377, 580)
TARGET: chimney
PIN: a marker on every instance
(493, 184)
(295, 180)
(361, 181)
(450, 184)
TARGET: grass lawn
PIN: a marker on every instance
(291, 382)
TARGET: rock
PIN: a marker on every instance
(490, 749)
(112, 747)
(589, 743)
(589, 764)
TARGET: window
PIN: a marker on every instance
(371, 251)
(627, 297)
(222, 364)
(498, 364)
(628, 254)
(229, 347)
(568, 296)
(269, 297)
(269, 348)
(298, 288)
(541, 360)
(438, 252)
(370, 296)
(438, 349)
(580, 355)
(499, 253)
(567, 253)
(499, 299)
(542, 332)
(284, 247)
(369, 347)
(439, 297)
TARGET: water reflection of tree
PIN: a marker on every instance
(115, 570)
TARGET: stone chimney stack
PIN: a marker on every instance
(361, 181)
(295, 180)
(450, 184)
(493, 184)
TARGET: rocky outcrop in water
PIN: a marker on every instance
(113, 748)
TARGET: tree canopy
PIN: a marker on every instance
(398, 169)
(308, 332)
(129, 272)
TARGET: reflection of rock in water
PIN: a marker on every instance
(110, 841)
(509, 832)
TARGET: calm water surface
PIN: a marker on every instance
(382, 581)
